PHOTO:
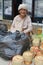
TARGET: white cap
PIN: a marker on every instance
(22, 6)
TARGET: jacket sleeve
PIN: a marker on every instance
(13, 25)
(29, 26)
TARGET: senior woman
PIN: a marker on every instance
(22, 21)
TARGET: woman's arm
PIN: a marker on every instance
(12, 26)
(29, 26)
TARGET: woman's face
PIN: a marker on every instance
(23, 12)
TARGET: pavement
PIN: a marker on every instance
(4, 62)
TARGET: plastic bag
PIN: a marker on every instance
(14, 44)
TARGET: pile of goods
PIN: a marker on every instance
(41, 48)
(25, 59)
(39, 31)
(42, 40)
(37, 49)
(36, 42)
(34, 55)
(38, 60)
(28, 57)
(17, 60)
(34, 50)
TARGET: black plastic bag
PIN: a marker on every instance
(14, 44)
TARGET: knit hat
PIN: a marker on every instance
(22, 6)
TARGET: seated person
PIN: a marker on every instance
(22, 21)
